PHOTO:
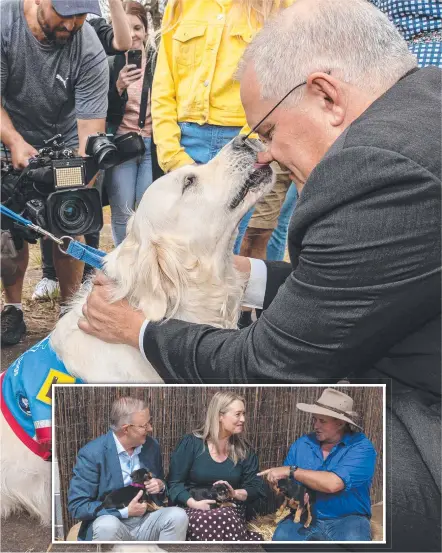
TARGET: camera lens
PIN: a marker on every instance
(104, 152)
(73, 214)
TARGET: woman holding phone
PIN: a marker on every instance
(130, 87)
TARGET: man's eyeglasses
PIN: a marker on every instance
(273, 109)
(145, 426)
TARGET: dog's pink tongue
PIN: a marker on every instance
(259, 165)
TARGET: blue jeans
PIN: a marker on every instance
(126, 184)
(351, 528)
(278, 239)
(203, 142)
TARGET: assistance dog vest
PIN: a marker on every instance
(26, 398)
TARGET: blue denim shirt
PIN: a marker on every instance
(353, 460)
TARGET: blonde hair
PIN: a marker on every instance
(237, 447)
(256, 11)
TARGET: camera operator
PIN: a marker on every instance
(54, 79)
(115, 39)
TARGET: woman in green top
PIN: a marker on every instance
(217, 452)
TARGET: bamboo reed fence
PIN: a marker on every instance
(273, 422)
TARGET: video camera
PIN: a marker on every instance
(52, 190)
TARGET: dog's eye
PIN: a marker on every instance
(189, 180)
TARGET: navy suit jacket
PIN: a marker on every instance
(97, 472)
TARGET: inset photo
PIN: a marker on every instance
(163, 463)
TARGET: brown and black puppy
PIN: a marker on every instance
(217, 492)
(298, 498)
(120, 498)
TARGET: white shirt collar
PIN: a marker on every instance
(120, 448)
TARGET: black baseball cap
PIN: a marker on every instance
(67, 8)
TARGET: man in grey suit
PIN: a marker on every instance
(360, 131)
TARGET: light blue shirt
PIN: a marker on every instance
(128, 464)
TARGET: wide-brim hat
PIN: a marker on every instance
(332, 403)
(68, 8)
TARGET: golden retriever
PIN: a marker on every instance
(176, 261)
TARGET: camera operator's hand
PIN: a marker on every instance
(128, 75)
(21, 151)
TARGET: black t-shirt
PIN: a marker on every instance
(105, 33)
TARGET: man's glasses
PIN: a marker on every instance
(273, 109)
(145, 426)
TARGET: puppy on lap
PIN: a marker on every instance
(107, 464)
(218, 455)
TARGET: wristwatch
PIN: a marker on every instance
(292, 470)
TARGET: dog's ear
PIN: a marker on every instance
(150, 271)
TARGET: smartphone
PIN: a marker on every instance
(134, 58)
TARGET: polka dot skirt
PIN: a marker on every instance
(223, 524)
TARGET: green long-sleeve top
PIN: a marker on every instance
(192, 465)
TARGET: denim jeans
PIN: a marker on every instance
(126, 184)
(350, 528)
(203, 142)
(277, 243)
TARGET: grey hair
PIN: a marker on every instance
(351, 38)
(122, 410)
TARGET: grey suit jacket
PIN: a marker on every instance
(364, 281)
(360, 299)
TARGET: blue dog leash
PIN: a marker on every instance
(82, 252)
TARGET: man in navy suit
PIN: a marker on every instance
(105, 464)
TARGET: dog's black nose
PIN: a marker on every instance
(238, 142)
(251, 145)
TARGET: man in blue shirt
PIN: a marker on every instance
(105, 464)
(339, 465)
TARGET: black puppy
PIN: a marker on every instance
(217, 492)
(297, 497)
(118, 499)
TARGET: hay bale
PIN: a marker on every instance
(266, 524)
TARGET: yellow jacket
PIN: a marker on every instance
(194, 77)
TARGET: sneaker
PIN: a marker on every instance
(46, 289)
(13, 326)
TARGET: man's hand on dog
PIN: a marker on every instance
(275, 474)
(116, 323)
(136, 509)
(154, 486)
(242, 264)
